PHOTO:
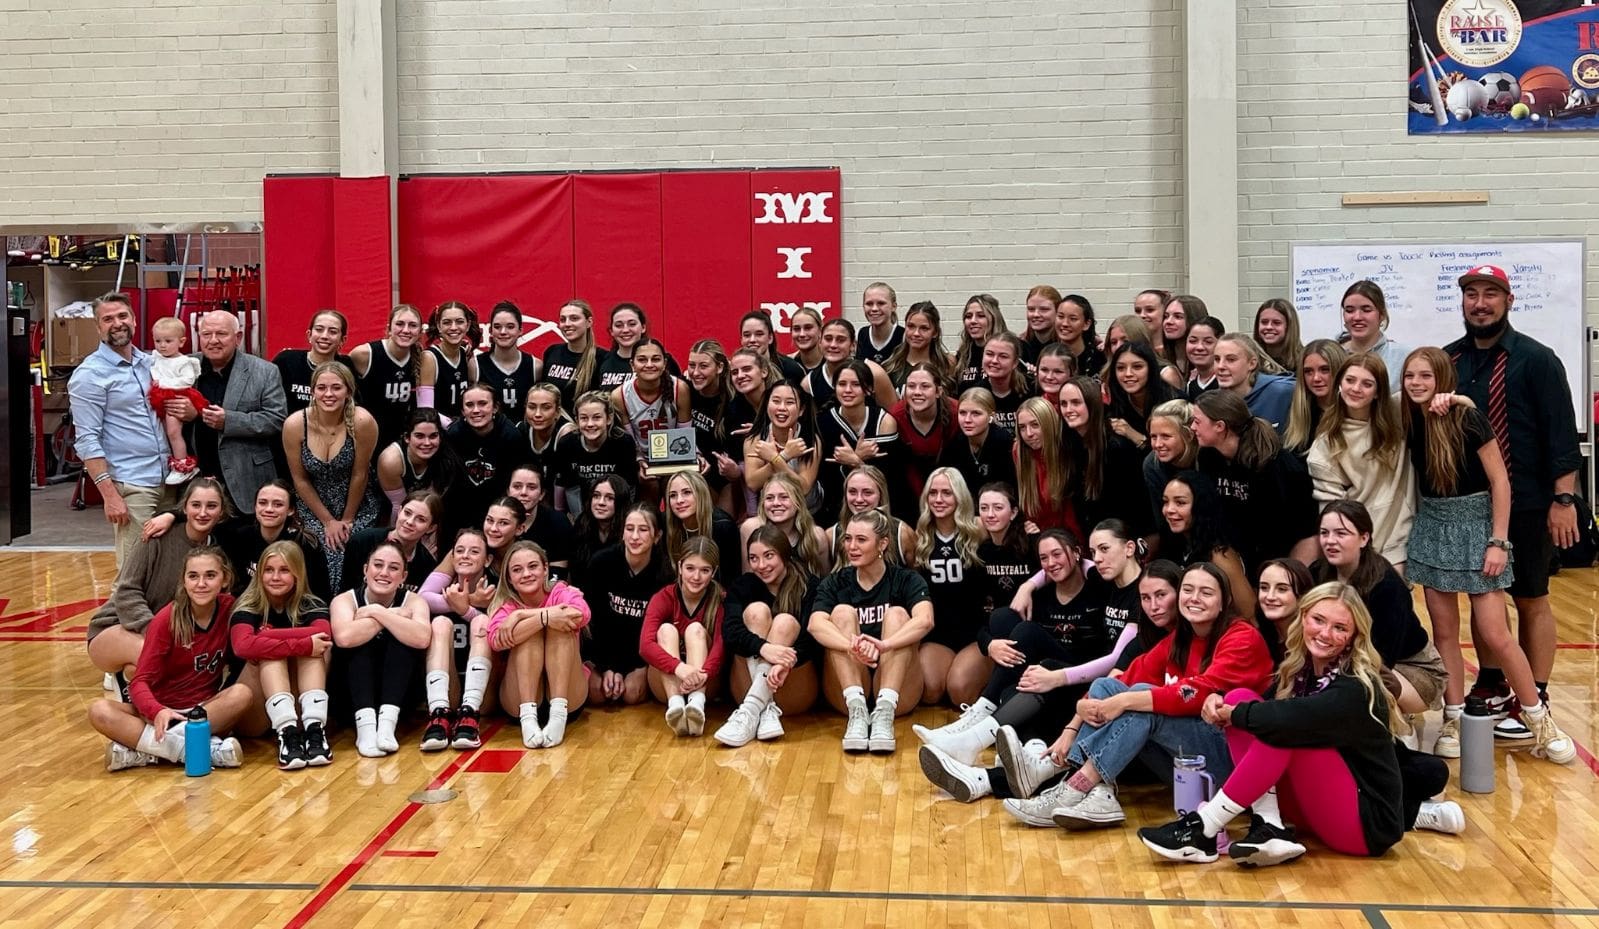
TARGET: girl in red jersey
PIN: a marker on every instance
(182, 665)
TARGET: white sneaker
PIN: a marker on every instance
(1026, 766)
(112, 691)
(971, 714)
(739, 728)
(226, 753)
(964, 782)
(964, 746)
(1552, 743)
(1448, 744)
(1039, 811)
(1444, 816)
(882, 740)
(1095, 811)
(119, 757)
(771, 726)
(857, 731)
(1412, 738)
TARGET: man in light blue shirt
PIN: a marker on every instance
(119, 435)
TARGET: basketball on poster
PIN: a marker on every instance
(1503, 66)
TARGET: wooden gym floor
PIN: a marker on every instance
(625, 825)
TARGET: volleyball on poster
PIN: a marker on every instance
(1503, 66)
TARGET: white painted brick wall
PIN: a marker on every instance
(984, 146)
(121, 111)
(1320, 91)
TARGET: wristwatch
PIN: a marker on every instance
(1501, 543)
(1566, 499)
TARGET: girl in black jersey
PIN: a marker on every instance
(855, 432)
(281, 627)
(420, 460)
(453, 335)
(629, 329)
(597, 447)
(708, 398)
(551, 530)
(690, 512)
(599, 526)
(763, 626)
(414, 524)
(623, 579)
(1074, 331)
(805, 331)
(1039, 319)
(324, 338)
(1005, 379)
(460, 645)
(574, 365)
(487, 444)
(1135, 389)
(866, 489)
(947, 539)
(394, 375)
(385, 628)
(508, 370)
(755, 333)
(871, 617)
(838, 349)
(980, 319)
(982, 453)
(542, 423)
(1008, 555)
(1106, 468)
(882, 333)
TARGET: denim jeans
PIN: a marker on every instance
(1153, 738)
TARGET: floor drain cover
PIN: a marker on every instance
(434, 796)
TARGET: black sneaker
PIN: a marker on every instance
(1180, 840)
(291, 748)
(317, 750)
(436, 738)
(1265, 845)
(466, 734)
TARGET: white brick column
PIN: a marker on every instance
(369, 125)
(1210, 155)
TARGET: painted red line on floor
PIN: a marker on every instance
(20, 637)
(1569, 646)
(410, 853)
(366, 854)
(1585, 756)
(495, 761)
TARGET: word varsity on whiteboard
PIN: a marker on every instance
(1421, 284)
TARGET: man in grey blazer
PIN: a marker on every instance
(233, 437)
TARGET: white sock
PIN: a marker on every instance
(888, 695)
(314, 707)
(532, 735)
(1218, 812)
(1455, 711)
(555, 729)
(1533, 710)
(366, 733)
(760, 690)
(438, 690)
(169, 748)
(697, 700)
(854, 695)
(1266, 808)
(280, 711)
(675, 703)
(477, 682)
(388, 718)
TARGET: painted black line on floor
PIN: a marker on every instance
(1372, 911)
(155, 885)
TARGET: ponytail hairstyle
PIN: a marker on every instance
(1387, 430)
(1183, 637)
(882, 525)
(1058, 467)
(968, 532)
(255, 599)
(292, 526)
(1445, 436)
(1094, 438)
(790, 596)
(1015, 540)
(613, 428)
(765, 319)
(1371, 291)
(863, 373)
(1359, 661)
(980, 397)
(1053, 296)
(344, 324)
(722, 388)
(1289, 352)
(1181, 413)
(1299, 581)
(474, 329)
(838, 322)
(583, 376)
(943, 384)
(1019, 384)
(503, 592)
(898, 364)
(771, 376)
(893, 298)
(1305, 410)
(413, 365)
(970, 352)
(1124, 534)
(1258, 444)
(1194, 310)
(643, 323)
(702, 547)
(182, 617)
(1168, 573)
(678, 535)
(211, 484)
(1090, 337)
(873, 474)
(1263, 363)
(814, 315)
(804, 525)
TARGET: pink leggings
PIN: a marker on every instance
(1315, 789)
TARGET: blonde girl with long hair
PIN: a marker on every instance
(947, 539)
(574, 364)
(1043, 469)
(539, 624)
(782, 505)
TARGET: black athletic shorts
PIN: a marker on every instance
(1534, 550)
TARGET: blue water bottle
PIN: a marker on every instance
(197, 743)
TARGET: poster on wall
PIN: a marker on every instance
(1503, 66)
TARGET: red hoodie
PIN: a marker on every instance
(1239, 659)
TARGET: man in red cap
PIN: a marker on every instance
(1521, 386)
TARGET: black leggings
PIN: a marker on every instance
(1036, 644)
(1420, 776)
(380, 672)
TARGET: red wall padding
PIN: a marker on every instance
(696, 249)
(362, 254)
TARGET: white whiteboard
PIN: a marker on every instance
(1420, 283)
